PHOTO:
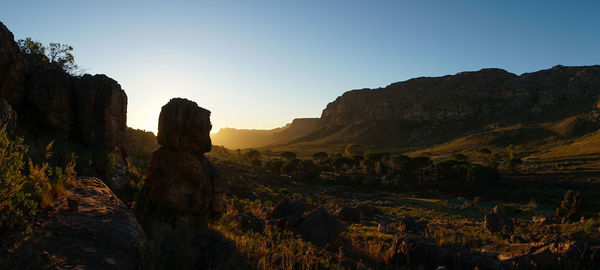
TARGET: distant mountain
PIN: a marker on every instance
(248, 138)
(494, 104)
(431, 110)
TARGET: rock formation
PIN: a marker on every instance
(431, 110)
(12, 67)
(90, 229)
(89, 109)
(181, 179)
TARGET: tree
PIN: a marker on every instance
(288, 155)
(274, 166)
(308, 169)
(418, 165)
(252, 155)
(60, 55)
(399, 163)
(30, 46)
(570, 207)
(353, 150)
(320, 157)
(290, 167)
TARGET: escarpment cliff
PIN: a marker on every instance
(425, 111)
(89, 109)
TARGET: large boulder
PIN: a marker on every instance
(12, 68)
(90, 228)
(320, 227)
(180, 178)
(8, 117)
(184, 126)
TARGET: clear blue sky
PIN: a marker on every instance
(259, 64)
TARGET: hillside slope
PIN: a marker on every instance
(248, 138)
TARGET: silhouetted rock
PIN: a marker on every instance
(320, 227)
(184, 126)
(180, 178)
(8, 117)
(49, 98)
(12, 68)
(184, 182)
(101, 107)
(98, 233)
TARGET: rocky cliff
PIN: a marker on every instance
(89, 109)
(424, 110)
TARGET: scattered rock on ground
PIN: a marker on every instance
(320, 227)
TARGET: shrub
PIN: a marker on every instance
(15, 202)
(570, 207)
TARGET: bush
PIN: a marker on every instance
(570, 207)
(15, 202)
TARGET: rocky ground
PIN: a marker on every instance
(88, 228)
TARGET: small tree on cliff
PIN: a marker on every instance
(60, 55)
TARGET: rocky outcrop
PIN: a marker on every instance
(101, 109)
(8, 117)
(12, 67)
(183, 126)
(429, 110)
(90, 109)
(181, 179)
(89, 229)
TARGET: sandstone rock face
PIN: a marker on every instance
(458, 104)
(184, 126)
(8, 117)
(91, 109)
(101, 109)
(12, 68)
(49, 98)
(180, 178)
(91, 229)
